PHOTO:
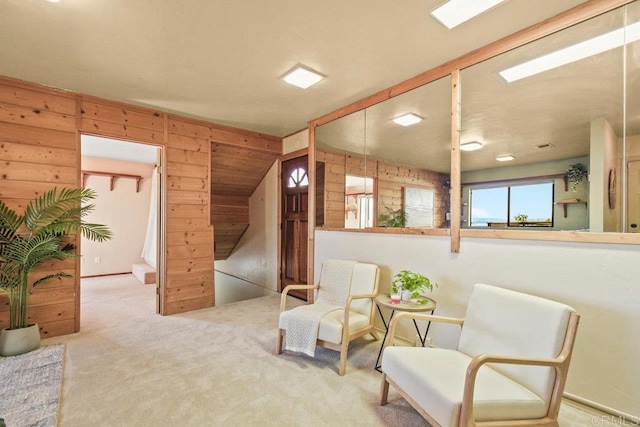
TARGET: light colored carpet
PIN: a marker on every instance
(30, 387)
(214, 367)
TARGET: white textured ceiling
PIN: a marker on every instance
(552, 109)
(221, 60)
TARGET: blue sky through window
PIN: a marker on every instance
(490, 204)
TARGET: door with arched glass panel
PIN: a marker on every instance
(295, 195)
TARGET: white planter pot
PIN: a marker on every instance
(19, 341)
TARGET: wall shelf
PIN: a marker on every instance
(112, 176)
(567, 202)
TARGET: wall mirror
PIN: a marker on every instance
(339, 149)
(550, 145)
(375, 173)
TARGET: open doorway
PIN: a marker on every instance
(125, 177)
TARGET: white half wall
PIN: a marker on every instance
(255, 258)
(600, 281)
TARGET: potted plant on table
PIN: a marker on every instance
(28, 240)
(412, 286)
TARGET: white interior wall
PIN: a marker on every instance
(295, 142)
(632, 146)
(255, 258)
(231, 289)
(604, 157)
(599, 280)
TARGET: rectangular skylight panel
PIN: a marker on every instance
(576, 52)
(455, 12)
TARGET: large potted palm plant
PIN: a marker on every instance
(26, 241)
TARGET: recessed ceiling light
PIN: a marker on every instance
(53, 1)
(576, 52)
(505, 158)
(471, 146)
(407, 119)
(455, 12)
(302, 76)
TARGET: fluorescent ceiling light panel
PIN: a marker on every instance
(505, 158)
(407, 119)
(471, 146)
(573, 53)
(302, 76)
(455, 12)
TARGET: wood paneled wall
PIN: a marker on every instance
(40, 149)
(390, 180)
(393, 178)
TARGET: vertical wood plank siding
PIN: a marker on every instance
(39, 150)
(189, 260)
(38, 153)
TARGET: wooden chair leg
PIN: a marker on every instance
(384, 390)
(374, 334)
(343, 357)
(279, 342)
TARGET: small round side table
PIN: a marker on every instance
(383, 300)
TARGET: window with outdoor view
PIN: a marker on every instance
(517, 205)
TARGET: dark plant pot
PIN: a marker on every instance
(19, 341)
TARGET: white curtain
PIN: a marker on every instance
(149, 250)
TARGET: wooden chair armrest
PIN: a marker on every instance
(285, 291)
(482, 359)
(359, 296)
(347, 309)
(560, 363)
(417, 316)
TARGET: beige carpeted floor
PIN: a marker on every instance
(214, 367)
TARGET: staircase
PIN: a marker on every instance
(237, 168)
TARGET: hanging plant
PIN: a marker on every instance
(576, 174)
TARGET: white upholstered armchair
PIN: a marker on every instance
(343, 310)
(509, 368)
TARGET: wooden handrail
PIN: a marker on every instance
(113, 176)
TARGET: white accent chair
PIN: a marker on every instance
(338, 328)
(509, 368)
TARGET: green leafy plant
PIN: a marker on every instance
(40, 235)
(521, 217)
(392, 218)
(415, 283)
(576, 173)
